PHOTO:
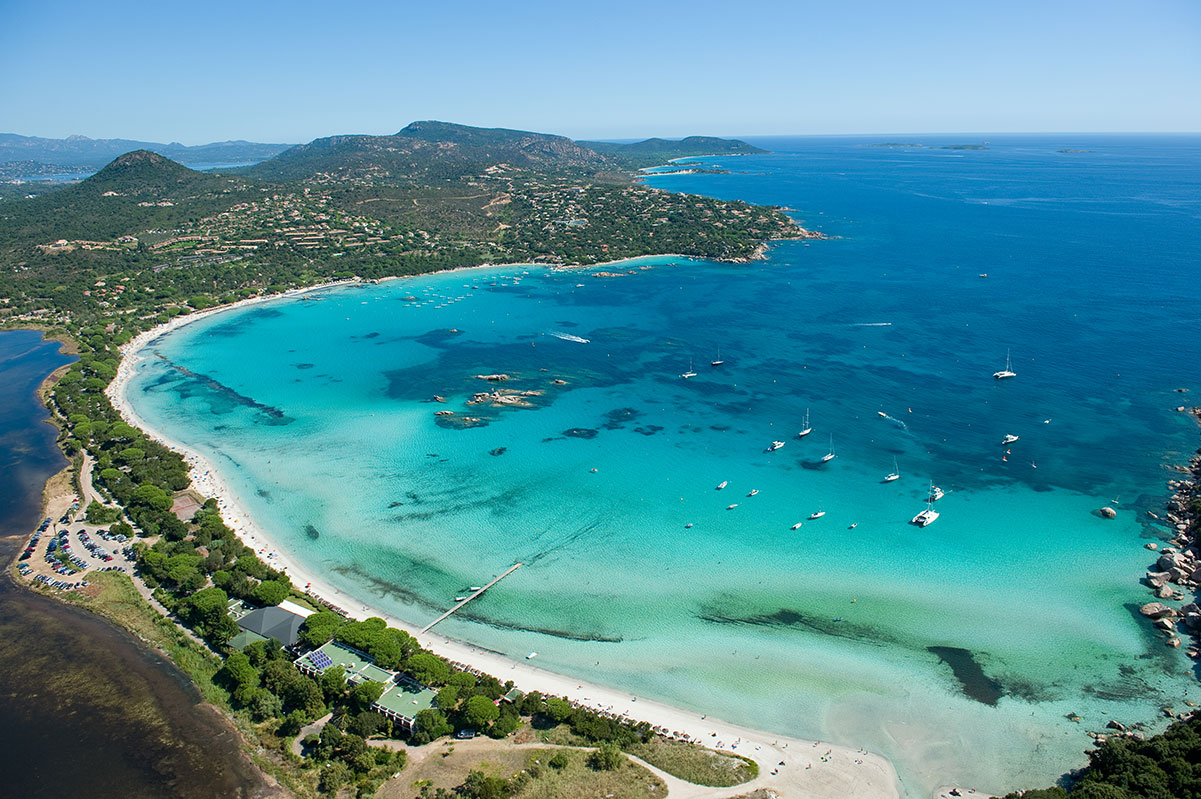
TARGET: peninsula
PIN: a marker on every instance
(144, 243)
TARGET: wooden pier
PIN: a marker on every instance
(460, 604)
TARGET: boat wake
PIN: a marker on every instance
(569, 337)
(894, 420)
(870, 324)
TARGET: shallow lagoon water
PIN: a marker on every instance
(978, 634)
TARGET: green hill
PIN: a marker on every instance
(650, 152)
(426, 152)
(136, 191)
(429, 151)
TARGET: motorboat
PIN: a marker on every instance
(936, 493)
(754, 491)
(1009, 439)
(817, 514)
(775, 445)
(797, 526)
(722, 485)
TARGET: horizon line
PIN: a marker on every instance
(174, 141)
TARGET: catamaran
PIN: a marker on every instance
(895, 474)
(806, 430)
(1007, 371)
(929, 515)
(829, 456)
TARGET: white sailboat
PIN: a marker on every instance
(719, 361)
(689, 373)
(829, 456)
(895, 474)
(1007, 371)
(929, 515)
(806, 430)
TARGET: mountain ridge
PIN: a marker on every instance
(82, 151)
(431, 149)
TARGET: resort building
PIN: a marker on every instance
(261, 624)
(402, 698)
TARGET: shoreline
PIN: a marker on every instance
(811, 768)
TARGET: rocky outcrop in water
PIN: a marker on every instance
(1178, 567)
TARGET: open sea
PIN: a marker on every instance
(957, 650)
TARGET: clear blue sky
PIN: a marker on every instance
(293, 71)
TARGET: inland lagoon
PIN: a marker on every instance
(411, 439)
(76, 689)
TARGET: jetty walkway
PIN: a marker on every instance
(463, 602)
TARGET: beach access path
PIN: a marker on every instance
(811, 770)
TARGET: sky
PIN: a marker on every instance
(293, 71)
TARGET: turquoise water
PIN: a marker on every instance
(319, 412)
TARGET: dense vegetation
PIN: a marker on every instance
(1164, 766)
(146, 236)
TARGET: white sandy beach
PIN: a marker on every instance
(791, 767)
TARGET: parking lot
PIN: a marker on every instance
(65, 549)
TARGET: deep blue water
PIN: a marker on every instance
(830, 631)
(27, 452)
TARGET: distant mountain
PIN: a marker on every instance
(430, 150)
(657, 151)
(426, 151)
(83, 153)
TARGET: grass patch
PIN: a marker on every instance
(115, 597)
(530, 771)
(577, 780)
(696, 764)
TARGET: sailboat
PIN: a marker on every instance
(829, 456)
(806, 430)
(1007, 371)
(929, 515)
(689, 373)
(719, 361)
(895, 474)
